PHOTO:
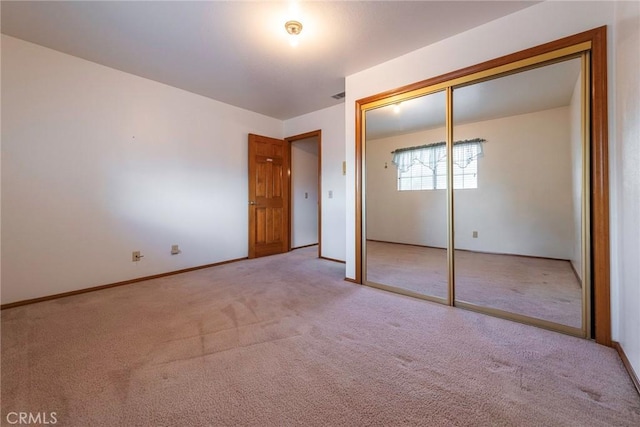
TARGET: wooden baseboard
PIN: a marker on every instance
(627, 364)
(113, 285)
(346, 279)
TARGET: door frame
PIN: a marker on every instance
(290, 140)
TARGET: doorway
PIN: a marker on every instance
(275, 224)
(305, 190)
(269, 200)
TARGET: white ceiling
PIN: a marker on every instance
(237, 52)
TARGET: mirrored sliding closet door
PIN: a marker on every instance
(486, 188)
(518, 183)
(405, 223)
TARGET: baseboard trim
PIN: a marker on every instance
(333, 259)
(406, 244)
(304, 246)
(347, 279)
(469, 250)
(627, 364)
(575, 272)
(113, 285)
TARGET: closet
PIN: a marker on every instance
(486, 188)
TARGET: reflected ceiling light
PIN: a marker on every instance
(293, 28)
(396, 108)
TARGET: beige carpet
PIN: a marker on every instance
(284, 340)
(536, 287)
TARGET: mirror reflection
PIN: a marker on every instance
(518, 224)
(518, 196)
(406, 198)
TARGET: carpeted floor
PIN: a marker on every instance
(284, 340)
(546, 289)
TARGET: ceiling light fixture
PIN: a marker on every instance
(396, 108)
(293, 28)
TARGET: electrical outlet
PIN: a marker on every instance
(136, 256)
(175, 250)
(475, 234)
(331, 194)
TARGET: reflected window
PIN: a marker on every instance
(425, 167)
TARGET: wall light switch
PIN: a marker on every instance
(475, 234)
(175, 249)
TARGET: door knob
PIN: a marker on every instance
(252, 202)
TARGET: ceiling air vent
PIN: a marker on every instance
(338, 95)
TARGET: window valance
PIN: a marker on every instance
(429, 155)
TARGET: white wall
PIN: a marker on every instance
(522, 204)
(414, 217)
(304, 192)
(331, 122)
(97, 163)
(626, 180)
(575, 117)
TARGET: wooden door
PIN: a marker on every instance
(268, 196)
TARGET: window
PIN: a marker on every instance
(425, 167)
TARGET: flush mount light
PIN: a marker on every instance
(293, 28)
